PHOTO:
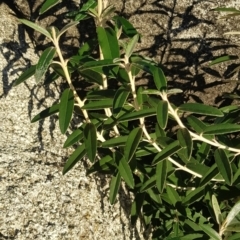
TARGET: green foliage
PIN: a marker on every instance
(178, 161)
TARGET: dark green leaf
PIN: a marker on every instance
(196, 124)
(114, 187)
(185, 141)
(167, 152)
(210, 174)
(115, 142)
(151, 182)
(66, 109)
(98, 105)
(210, 232)
(223, 128)
(90, 140)
(120, 99)
(136, 207)
(25, 75)
(224, 165)
(162, 114)
(132, 143)
(101, 94)
(47, 5)
(76, 156)
(161, 174)
(46, 113)
(159, 79)
(202, 109)
(43, 63)
(92, 76)
(194, 195)
(131, 45)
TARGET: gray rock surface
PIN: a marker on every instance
(36, 201)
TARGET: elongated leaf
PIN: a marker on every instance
(225, 9)
(223, 165)
(196, 124)
(92, 76)
(115, 142)
(217, 210)
(120, 99)
(114, 187)
(90, 140)
(66, 109)
(25, 75)
(76, 156)
(173, 195)
(136, 115)
(47, 5)
(124, 169)
(223, 128)
(161, 173)
(136, 207)
(159, 79)
(210, 232)
(97, 65)
(36, 27)
(108, 42)
(66, 27)
(223, 59)
(132, 143)
(234, 227)
(75, 136)
(131, 45)
(101, 94)
(46, 113)
(185, 141)
(96, 105)
(210, 174)
(162, 114)
(202, 109)
(43, 63)
(232, 214)
(167, 152)
(194, 196)
(235, 236)
(151, 182)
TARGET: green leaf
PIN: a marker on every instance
(217, 210)
(159, 79)
(172, 195)
(114, 187)
(224, 165)
(223, 128)
(131, 45)
(47, 5)
(202, 109)
(90, 140)
(194, 195)
(124, 169)
(66, 27)
(46, 113)
(36, 27)
(223, 59)
(132, 143)
(66, 109)
(92, 76)
(115, 142)
(90, 4)
(136, 115)
(120, 99)
(210, 174)
(101, 94)
(76, 156)
(196, 124)
(136, 207)
(108, 42)
(98, 105)
(234, 236)
(43, 63)
(25, 75)
(151, 182)
(162, 114)
(234, 227)
(185, 141)
(225, 9)
(161, 173)
(210, 232)
(167, 152)
(232, 214)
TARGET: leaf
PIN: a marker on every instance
(132, 143)
(46, 113)
(136, 207)
(66, 27)
(47, 5)
(90, 140)
(36, 27)
(232, 214)
(210, 232)
(151, 182)
(159, 78)
(196, 124)
(235, 227)
(234, 236)
(124, 169)
(223, 59)
(161, 175)
(131, 45)
(186, 142)
(96, 105)
(210, 174)
(115, 142)
(223, 165)
(162, 114)
(202, 109)
(80, 15)
(167, 152)
(120, 99)
(217, 210)
(43, 63)
(194, 195)
(172, 195)
(225, 9)
(25, 75)
(136, 115)
(108, 42)
(101, 94)
(114, 187)
(223, 128)
(76, 156)
(66, 109)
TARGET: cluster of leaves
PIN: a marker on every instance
(176, 160)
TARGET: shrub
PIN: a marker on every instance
(176, 160)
